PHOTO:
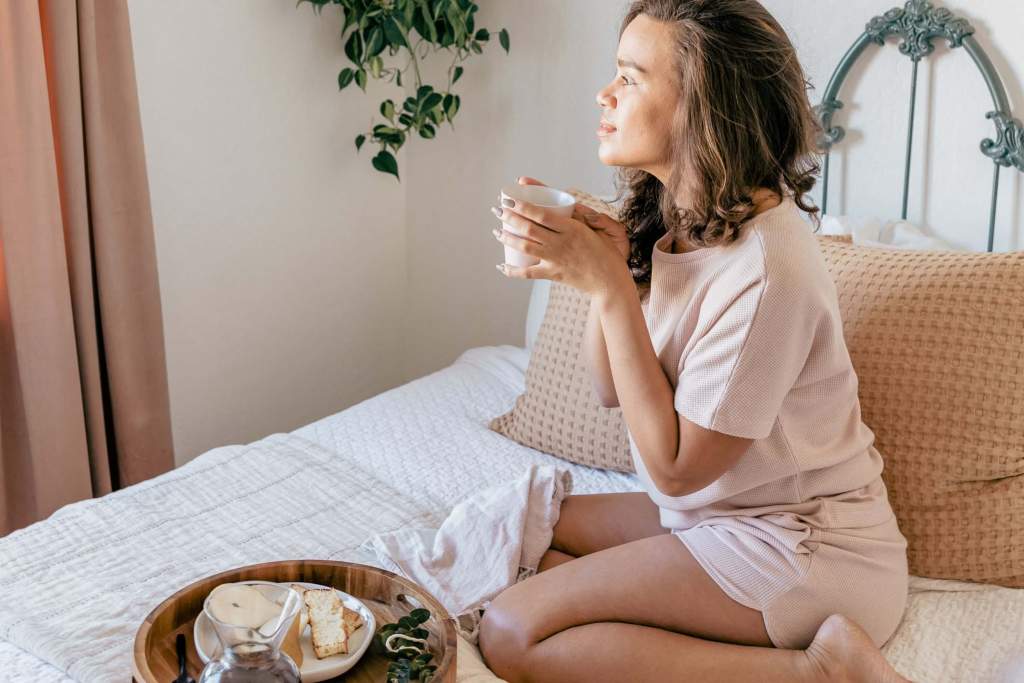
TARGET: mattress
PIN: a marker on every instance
(76, 586)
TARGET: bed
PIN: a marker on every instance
(74, 587)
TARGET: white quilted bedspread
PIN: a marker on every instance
(74, 588)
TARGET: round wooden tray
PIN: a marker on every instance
(388, 595)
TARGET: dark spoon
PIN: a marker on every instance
(179, 645)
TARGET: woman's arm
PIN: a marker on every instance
(596, 356)
(680, 456)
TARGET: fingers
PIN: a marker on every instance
(526, 246)
(535, 272)
(541, 216)
(527, 180)
(524, 227)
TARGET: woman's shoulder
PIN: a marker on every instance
(786, 245)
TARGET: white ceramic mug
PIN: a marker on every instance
(557, 201)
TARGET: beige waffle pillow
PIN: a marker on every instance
(559, 413)
(937, 341)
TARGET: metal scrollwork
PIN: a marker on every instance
(829, 134)
(1008, 147)
(918, 22)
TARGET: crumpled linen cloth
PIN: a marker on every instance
(489, 541)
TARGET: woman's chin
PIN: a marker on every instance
(608, 157)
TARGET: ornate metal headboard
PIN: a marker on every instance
(919, 23)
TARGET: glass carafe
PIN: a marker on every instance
(248, 652)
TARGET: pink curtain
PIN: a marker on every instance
(84, 406)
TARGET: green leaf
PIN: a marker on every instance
(393, 33)
(398, 78)
(428, 22)
(376, 66)
(345, 77)
(419, 615)
(385, 163)
(439, 8)
(503, 38)
(354, 47)
(458, 72)
(483, 34)
(409, 105)
(454, 15)
(423, 91)
(405, 119)
(431, 101)
(361, 79)
(475, 47)
(375, 43)
(360, 139)
(387, 110)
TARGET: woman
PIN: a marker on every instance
(764, 547)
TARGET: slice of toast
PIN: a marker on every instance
(325, 619)
(352, 620)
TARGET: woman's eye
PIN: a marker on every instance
(625, 80)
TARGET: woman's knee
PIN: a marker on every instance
(504, 638)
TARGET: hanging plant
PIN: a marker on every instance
(390, 24)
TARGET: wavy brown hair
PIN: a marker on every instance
(743, 122)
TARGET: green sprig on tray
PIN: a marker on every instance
(405, 642)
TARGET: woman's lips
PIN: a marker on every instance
(605, 130)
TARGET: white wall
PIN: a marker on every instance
(297, 281)
(281, 253)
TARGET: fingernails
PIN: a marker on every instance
(508, 202)
(496, 233)
(496, 211)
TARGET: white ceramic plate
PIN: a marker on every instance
(312, 669)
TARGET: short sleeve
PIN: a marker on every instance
(738, 372)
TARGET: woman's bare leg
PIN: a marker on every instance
(616, 651)
(645, 610)
(553, 558)
(591, 522)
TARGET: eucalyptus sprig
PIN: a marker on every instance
(390, 24)
(405, 643)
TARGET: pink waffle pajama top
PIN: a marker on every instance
(750, 336)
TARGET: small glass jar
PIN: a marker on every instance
(249, 653)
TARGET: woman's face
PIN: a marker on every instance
(640, 101)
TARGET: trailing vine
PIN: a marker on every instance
(378, 25)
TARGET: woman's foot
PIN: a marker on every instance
(843, 652)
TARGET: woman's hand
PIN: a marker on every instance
(604, 224)
(569, 250)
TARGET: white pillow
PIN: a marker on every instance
(872, 232)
